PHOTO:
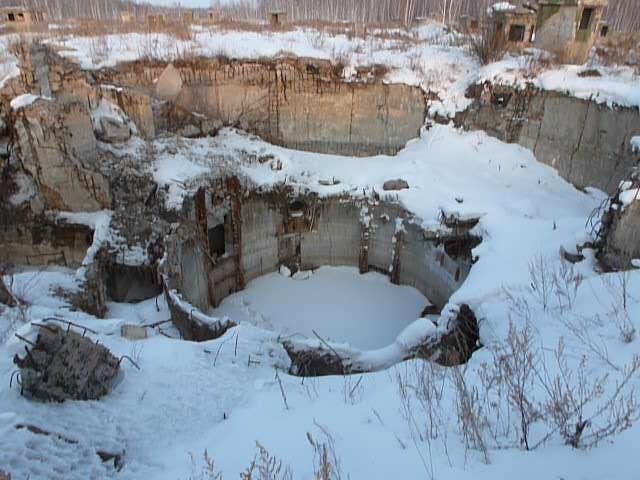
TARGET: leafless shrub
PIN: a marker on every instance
(352, 389)
(581, 407)
(415, 385)
(208, 471)
(617, 285)
(488, 44)
(339, 61)
(266, 466)
(537, 63)
(620, 49)
(515, 361)
(566, 282)
(326, 461)
(471, 415)
(541, 281)
(136, 352)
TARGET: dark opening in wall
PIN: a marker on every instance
(296, 208)
(585, 21)
(516, 33)
(217, 247)
(132, 284)
(12, 17)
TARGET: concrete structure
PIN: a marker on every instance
(21, 17)
(277, 19)
(514, 27)
(232, 236)
(127, 17)
(159, 20)
(568, 28)
(288, 102)
(188, 16)
(213, 16)
(468, 24)
(588, 143)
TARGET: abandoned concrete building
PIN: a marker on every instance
(21, 17)
(567, 28)
(514, 26)
(277, 19)
(127, 17)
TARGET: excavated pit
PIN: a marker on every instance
(234, 238)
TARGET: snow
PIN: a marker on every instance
(25, 100)
(501, 7)
(339, 304)
(110, 111)
(8, 68)
(224, 395)
(616, 85)
(635, 144)
(426, 56)
(627, 197)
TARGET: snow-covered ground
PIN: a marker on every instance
(427, 56)
(225, 395)
(339, 304)
(407, 421)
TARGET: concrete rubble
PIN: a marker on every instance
(399, 184)
(65, 365)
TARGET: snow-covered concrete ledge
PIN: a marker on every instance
(191, 322)
(451, 341)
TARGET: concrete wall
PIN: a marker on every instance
(259, 238)
(291, 103)
(332, 231)
(39, 242)
(335, 239)
(586, 142)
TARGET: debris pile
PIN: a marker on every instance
(64, 365)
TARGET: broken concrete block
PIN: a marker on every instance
(210, 127)
(169, 84)
(64, 365)
(398, 184)
(57, 147)
(134, 332)
(112, 131)
(189, 131)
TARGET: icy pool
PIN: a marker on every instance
(366, 311)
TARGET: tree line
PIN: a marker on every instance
(623, 15)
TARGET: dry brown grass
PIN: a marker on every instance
(620, 49)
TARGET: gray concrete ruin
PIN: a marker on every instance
(566, 28)
(232, 235)
(230, 232)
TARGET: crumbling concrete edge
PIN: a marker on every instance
(190, 321)
(450, 342)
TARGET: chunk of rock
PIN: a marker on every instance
(113, 131)
(64, 365)
(398, 184)
(189, 131)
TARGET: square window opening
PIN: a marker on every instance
(516, 33)
(587, 16)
